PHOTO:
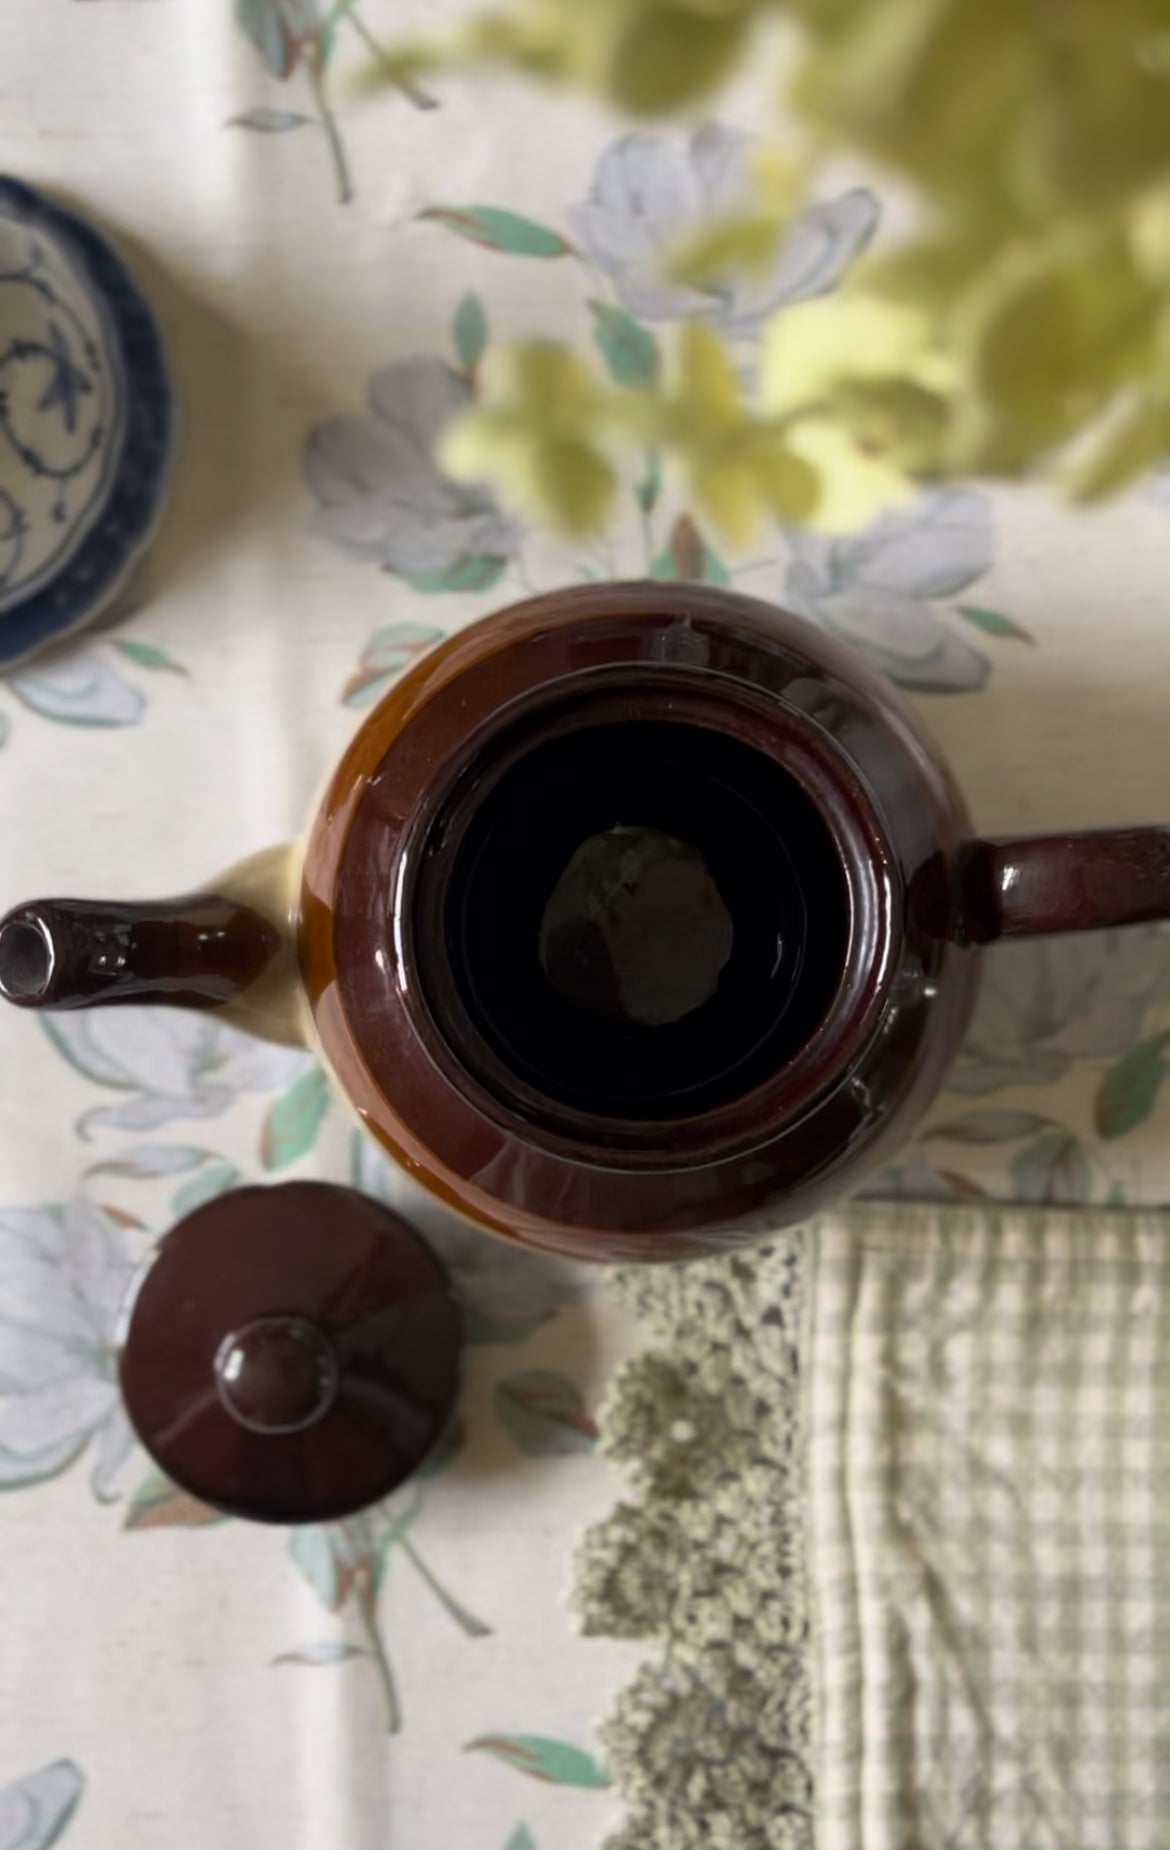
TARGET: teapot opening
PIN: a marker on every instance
(640, 919)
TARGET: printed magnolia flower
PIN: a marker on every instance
(79, 687)
(1045, 1006)
(1158, 488)
(64, 1273)
(877, 589)
(380, 492)
(650, 191)
(171, 1063)
(35, 1810)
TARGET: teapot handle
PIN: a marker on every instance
(199, 952)
(1045, 884)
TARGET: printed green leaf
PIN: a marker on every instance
(541, 1758)
(159, 1504)
(5, 728)
(498, 230)
(543, 1414)
(1129, 1091)
(982, 1127)
(921, 1181)
(687, 555)
(214, 1181)
(396, 643)
(264, 121)
(151, 1159)
(994, 623)
(261, 21)
(469, 331)
(1116, 1197)
(329, 1577)
(326, 1651)
(294, 1118)
(629, 350)
(335, 16)
(649, 488)
(388, 651)
(1052, 1169)
(480, 1329)
(521, 1839)
(444, 1454)
(121, 1217)
(478, 574)
(961, 1186)
(363, 688)
(335, 1560)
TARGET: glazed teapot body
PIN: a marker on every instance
(637, 919)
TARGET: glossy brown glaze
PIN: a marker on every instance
(1092, 881)
(198, 952)
(291, 1353)
(612, 1187)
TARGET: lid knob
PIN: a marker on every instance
(277, 1374)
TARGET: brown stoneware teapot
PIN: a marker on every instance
(636, 919)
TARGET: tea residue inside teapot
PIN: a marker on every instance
(635, 928)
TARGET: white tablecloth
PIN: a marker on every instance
(215, 1684)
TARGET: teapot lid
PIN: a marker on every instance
(291, 1352)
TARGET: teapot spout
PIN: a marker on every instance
(201, 951)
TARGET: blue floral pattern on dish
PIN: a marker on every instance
(86, 422)
(60, 387)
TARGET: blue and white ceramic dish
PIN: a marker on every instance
(87, 422)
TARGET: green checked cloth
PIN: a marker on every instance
(901, 1525)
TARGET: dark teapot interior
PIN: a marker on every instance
(642, 920)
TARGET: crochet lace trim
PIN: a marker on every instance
(710, 1744)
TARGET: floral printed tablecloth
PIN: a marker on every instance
(329, 271)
